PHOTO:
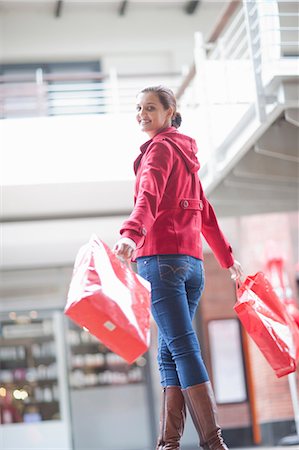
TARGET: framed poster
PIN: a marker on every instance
(227, 361)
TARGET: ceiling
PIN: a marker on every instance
(120, 7)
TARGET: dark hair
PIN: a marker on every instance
(168, 100)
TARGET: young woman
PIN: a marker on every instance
(163, 235)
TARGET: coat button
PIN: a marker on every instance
(143, 231)
(184, 204)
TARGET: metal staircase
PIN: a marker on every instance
(248, 85)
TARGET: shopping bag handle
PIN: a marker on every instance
(240, 283)
(125, 262)
(237, 287)
(128, 265)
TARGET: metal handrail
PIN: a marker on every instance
(237, 35)
(281, 14)
(284, 29)
(230, 37)
(231, 30)
(54, 77)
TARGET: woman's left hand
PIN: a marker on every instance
(236, 270)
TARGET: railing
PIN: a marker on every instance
(259, 34)
(43, 94)
(233, 44)
(223, 69)
(279, 22)
(230, 79)
(222, 88)
(232, 71)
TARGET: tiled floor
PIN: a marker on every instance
(289, 447)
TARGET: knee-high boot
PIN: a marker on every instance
(172, 420)
(202, 406)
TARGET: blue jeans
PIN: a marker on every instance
(177, 282)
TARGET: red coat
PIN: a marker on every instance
(170, 206)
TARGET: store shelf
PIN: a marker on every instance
(92, 364)
(28, 372)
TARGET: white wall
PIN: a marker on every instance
(147, 38)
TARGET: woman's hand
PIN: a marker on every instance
(236, 270)
(124, 248)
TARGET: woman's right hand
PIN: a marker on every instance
(124, 248)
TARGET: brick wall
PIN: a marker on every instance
(257, 236)
(261, 235)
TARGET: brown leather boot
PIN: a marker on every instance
(173, 417)
(202, 406)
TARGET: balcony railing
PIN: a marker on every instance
(231, 71)
(42, 94)
(260, 37)
(229, 84)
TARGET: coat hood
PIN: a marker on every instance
(184, 145)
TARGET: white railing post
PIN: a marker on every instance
(202, 96)
(41, 99)
(254, 40)
(223, 58)
(114, 91)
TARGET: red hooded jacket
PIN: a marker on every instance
(170, 206)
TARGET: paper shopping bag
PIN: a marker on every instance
(110, 301)
(267, 322)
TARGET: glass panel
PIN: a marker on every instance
(29, 389)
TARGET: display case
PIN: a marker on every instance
(92, 364)
(29, 388)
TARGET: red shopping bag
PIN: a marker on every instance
(267, 322)
(110, 301)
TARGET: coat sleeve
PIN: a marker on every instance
(151, 186)
(213, 234)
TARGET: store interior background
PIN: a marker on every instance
(66, 172)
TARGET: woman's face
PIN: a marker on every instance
(151, 115)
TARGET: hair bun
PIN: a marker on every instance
(176, 120)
